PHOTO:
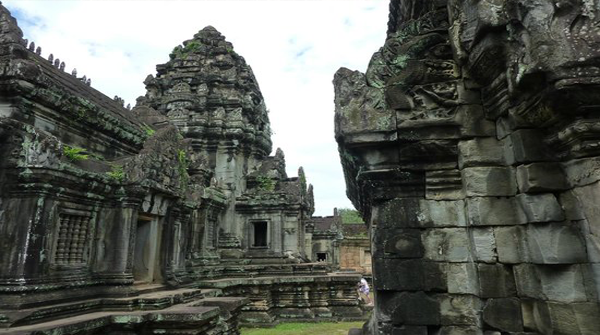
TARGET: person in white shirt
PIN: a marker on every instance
(364, 290)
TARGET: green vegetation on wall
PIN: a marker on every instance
(74, 153)
(265, 183)
(182, 168)
(116, 172)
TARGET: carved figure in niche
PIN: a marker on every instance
(178, 113)
(417, 70)
(181, 88)
(544, 45)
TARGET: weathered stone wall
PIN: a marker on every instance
(469, 148)
(355, 255)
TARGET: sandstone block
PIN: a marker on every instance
(446, 244)
(443, 185)
(416, 309)
(489, 181)
(413, 213)
(480, 151)
(496, 281)
(462, 278)
(541, 177)
(460, 310)
(492, 211)
(571, 205)
(562, 283)
(525, 146)
(442, 213)
(503, 314)
(528, 281)
(473, 122)
(589, 209)
(397, 213)
(539, 208)
(555, 243)
(409, 275)
(574, 318)
(485, 244)
(511, 244)
(397, 243)
(550, 282)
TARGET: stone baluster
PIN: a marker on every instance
(31, 46)
(82, 237)
(62, 239)
(74, 239)
(38, 51)
(62, 66)
(74, 72)
(51, 58)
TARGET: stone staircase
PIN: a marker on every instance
(183, 310)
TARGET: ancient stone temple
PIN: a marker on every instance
(471, 147)
(168, 218)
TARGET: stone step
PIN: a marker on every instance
(142, 288)
(183, 316)
(150, 300)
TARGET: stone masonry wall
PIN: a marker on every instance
(470, 146)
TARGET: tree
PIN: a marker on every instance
(350, 216)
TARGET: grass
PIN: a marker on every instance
(329, 328)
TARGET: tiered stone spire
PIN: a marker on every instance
(209, 91)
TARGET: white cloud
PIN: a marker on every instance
(294, 48)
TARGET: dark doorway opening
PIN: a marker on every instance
(321, 257)
(260, 234)
(146, 268)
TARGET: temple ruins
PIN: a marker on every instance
(471, 146)
(170, 217)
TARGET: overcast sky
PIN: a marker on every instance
(293, 47)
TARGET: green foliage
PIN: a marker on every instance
(116, 173)
(182, 168)
(311, 328)
(265, 183)
(80, 113)
(74, 153)
(180, 51)
(350, 216)
(149, 131)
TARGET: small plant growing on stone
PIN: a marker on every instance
(183, 166)
(74, 153)
(116, 173)
(149, 131)
(265, 183)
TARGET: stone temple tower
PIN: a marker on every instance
(209, 92)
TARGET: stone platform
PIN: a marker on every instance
(274, 299)
(180, 311)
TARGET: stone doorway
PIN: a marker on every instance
(321, 257)
(146, 267)
(259, 234)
